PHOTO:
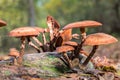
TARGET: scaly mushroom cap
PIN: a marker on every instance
(40, 30)
(70, 43)
(23, 31)
(2, 23)
(83, 24)
(64, 49)
(13, 52)
(99, 39)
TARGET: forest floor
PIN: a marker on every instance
(32, 72)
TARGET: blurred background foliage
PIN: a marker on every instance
(19, 13)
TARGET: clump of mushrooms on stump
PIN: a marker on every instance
(82, 25)
(23, 33)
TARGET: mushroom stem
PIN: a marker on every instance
(85, 53)
(44, 38)
(37, 41)
(90, 55)
(83, 34)
(68, 60)
(78, 48)
(61, 58)
(22, 50)
(33, 45)
(51, 32)
(15, 61)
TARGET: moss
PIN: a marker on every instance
(29, 64)
(107, 68)
(118, 72)
(7, 73)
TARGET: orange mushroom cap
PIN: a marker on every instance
(66, 34)
(14, 52)
(83, 24)
(70, 43)
(64, 49)
(99, 39)
(2, 23)
(23, 31)
(40, 30)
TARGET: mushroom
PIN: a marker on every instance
(14, 53)
(53, 29)
(53, 26)
(70, 43)
(95, 40)
(23, 33)
(74, 44)
(2, 23)
(82, 25)
(62, 50)
(64, 35)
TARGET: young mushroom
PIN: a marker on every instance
(70, 43)
(62, 50)
(23, 33)
(53, 26)
(75, 44)
(64, 35)
(14, 53)
(95, 40)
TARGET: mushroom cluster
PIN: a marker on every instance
(61, 40)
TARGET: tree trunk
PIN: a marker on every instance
(31, 13)
(116, 23)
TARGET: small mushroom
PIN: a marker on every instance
(14, 53)
(64, 35)
(2, 23)
(62, 50)
(95, 40)
(53, 26)
(53, 29)
(74, 44)
(22, 33)
(70, 43)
